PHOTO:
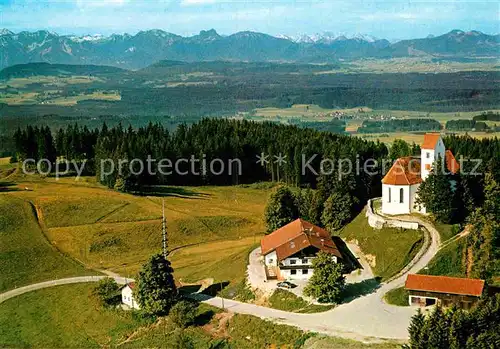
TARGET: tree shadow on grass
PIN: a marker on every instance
(363, 288)
(163, 191)
(204, 318)
(350, 261)
(214, 289)
(188, 289)
(8, 186)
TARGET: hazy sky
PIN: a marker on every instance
(392, 19)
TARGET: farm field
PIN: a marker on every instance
(387, 250)
(413, 65)
(311, 112)
(417, 137)
(108, 230)
(303, 110)
(23, 98)
(57, 81)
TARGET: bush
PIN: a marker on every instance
(183, 313)
(108, 292)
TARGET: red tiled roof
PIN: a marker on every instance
(430, 140)
(445, 284)
(131, 285)
(404, 171)
(451, 162)
(296, 236)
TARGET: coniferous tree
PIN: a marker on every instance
(437, 195)
(155, 289)
(436, 330)
(416, 331)
(337, 211)
(281, 209)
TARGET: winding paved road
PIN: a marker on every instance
(367, 318)
(74, 280)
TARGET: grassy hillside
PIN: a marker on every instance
(448, 261)
(25, 255)
(69, 317)
(210, 229)
(388, 250)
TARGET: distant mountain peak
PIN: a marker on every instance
(208, 33)
(5, 32)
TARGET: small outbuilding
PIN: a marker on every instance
(426, 290)
(128, 296)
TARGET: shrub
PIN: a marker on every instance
(108, 292)
(183, 313)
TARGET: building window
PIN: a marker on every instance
(389, 200)
(428, 155)
(304, 271)
(304, 260)
(401, 195)
(293, 261)
(293, 272)
(271, 261)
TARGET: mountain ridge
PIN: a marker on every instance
(148, 46)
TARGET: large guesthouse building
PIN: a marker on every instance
(289, 251)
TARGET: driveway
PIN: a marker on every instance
(365, 318)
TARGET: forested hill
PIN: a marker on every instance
(46, 69)
(210, 139)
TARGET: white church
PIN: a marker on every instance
(399, 186)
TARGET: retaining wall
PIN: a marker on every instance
(378, 222)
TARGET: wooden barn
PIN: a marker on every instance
(426, 290)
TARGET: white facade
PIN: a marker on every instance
(400, 199)
(428, 156)
(128, 297)
(396, 199)
(292, 268)
(270, 259)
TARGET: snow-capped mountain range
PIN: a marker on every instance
(327, 37)
(146, 47)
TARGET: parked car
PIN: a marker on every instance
(286, 284)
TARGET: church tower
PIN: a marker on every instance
(431, 150)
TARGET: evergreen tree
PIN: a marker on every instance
(436, 194)
(327, 282)
(436, 330)
(155, 289)
(337, 211)
(416, 331)
(399, 148)
(281, 209)
(484, 238)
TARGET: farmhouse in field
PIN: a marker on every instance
(426, 290)
(289, 251)
(128, 296)
(399, 186)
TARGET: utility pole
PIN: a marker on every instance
(164, 229)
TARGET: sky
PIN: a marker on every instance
(391, 19)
